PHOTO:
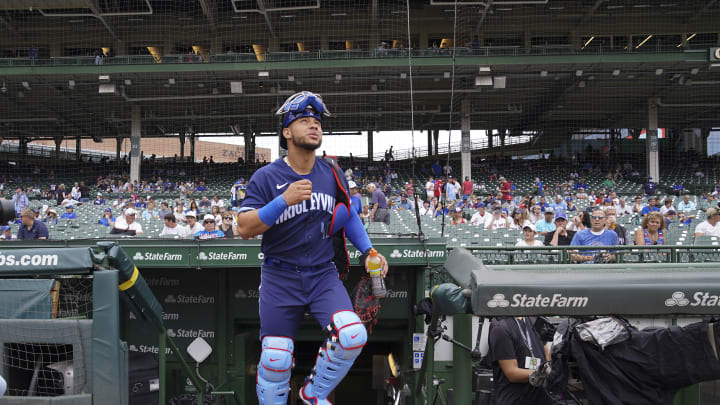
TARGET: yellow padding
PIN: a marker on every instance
(124, 286)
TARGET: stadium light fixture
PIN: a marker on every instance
(236, 87)
(588, 41)
(616, 72)
(686, 40)
(484, 69)
(171, 80)
(658, 71)
(483, 81)
(338, 77)
(26, 85)
(71, 84)
(694, 71)
(446, 75)
(403, 75)
(263, 74)
(644, 40)
(291, 78)
(128, 82)
(544, 73)
(578, 72)
(581, 84)
(499, 82)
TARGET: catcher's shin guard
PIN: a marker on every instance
(336, 356)
(273, 375)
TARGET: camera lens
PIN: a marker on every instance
(7, 211)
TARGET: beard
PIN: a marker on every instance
(311, 147)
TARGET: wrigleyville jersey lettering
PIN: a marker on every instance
(299, 235)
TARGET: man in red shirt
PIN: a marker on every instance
(505, 189)
(438, 188)
(467, 187)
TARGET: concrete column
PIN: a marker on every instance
(502, 138)
(370, 145)
(135, 138)
(118, 147)
(430, 142)
(78, 148)
(652, 145)
(702, 142)
(249, 137)
(58, 143)
(436, 136)
(465, 164)
(490, 136)
(182, 146)
(462, 364)
(192, 148)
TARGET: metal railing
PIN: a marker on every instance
(485, 51)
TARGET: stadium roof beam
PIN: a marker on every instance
(592, 11)
(209, 14)
(95, 13)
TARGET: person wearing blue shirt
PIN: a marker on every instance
(652, 206)
(293, 203)
(30, 228)
(678, 189)
(69, 213)
(108, 219)
(20, 201)
(649, 187)
(543, 204)
(559, 205)
(405, 204)
(209, 232)
(686, 205)
(355, 201)
(570, 204)
(436, 169)
(201, 188)
(539, 188)
(99, 200)
(546, 225)
(596, 235)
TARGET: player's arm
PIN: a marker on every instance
(254, 222)
(355, 231)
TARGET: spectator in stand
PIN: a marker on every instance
(580, 221)
(84, 193)
(430, 188)
(20, 201)
(30, 228)
(649, 187)
(651, 230)
(405, 204)
(410, 189)
(179, 213)
(99, 200)
(75, 192)
(596, 235)
(638, 205)
(355, 200)
(457, 218)
(193, 208)
(46, 194)
(581, 194)
(538, 188)
(505, 189)
(51, 218)
(519, 219)
(667, 206)
(216, 214)
(164, 210)
(467, 187)
(107, 219)
(711, 225)
(365, 215)
(228, 226)
(140, 203)
(678, 189)
(438, 188)
(201, 187)
(622, 208)
(380, 211)
(528, 232)
(192, 224)
(126, 224)
(651, 207)
(559, 205)
(69, 213)
(447, 169)
(498, 220)
(561, 236)
(546, 225)
(686, 205)
(451, 189)
(6, 233)
(172, 228)
(209, 231)
(151, 212)
(436, 169)
(609, 183)
(119, 203)
(535, 214)
(426, 209)
(204, 203)
(571, 207)
(611, 218)
(217, 202)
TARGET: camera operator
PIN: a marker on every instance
(516, 351)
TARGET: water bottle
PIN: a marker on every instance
(374, 265)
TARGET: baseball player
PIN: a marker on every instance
(292, 202)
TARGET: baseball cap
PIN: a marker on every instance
(108, 210)
(549, 210)
(69, 207)
(99, 194)
(671, 212)
(120, 196)
(608, 200)
(531, 226)
(190, 214)
(568, 199)
(51, 210)
(561, 215)
(4, 228)
(210, 217)
(481, 205)
(130, 211)
(352, 184)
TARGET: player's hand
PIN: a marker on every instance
(384, 265)
(298, 192)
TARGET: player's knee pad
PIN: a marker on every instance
(273, 375)
(347, 336)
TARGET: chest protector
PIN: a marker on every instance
(340, 217)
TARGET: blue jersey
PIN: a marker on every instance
(356, 203)
(587, 238)
(299, 235)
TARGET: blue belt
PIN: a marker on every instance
(280, 264)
